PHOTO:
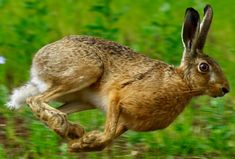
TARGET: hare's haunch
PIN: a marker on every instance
(136, 92)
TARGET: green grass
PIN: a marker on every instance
(204, 130)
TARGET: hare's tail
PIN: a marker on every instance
(19, 95)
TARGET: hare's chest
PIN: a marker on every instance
(154, 115)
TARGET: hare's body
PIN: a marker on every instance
(142, 89)
(136, 92)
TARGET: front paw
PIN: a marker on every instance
(92, 141)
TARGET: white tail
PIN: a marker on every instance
(19, 95)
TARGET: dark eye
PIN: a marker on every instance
(203, 67)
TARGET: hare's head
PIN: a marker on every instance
(202, 72)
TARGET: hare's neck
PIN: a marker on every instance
(189, 87)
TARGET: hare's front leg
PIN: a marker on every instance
(52, 117)
(95, 140)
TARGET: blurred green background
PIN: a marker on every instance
(206, 129)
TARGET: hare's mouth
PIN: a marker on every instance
(217, 96)
(221, 94)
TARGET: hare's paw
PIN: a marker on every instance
(92, 141)
(75, 131)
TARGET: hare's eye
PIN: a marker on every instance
(203, 67)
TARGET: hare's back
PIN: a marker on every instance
(73, 54)
(117, 59)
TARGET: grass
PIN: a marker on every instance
(204, 130)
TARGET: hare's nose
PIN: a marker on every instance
(225, 90)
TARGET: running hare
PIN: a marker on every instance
(136, 92)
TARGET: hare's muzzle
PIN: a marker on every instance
(225, 90)
(219, 90)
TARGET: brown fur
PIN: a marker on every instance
(137, 93)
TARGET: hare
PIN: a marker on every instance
(136, 92)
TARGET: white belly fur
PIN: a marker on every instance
(95, 98)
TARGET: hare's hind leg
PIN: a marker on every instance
(53, 118)
(61, 82)
(74, 106)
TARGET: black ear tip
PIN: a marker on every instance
(207, 8)
(192, 12)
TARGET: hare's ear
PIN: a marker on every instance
(205, 26)
(190, 29)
